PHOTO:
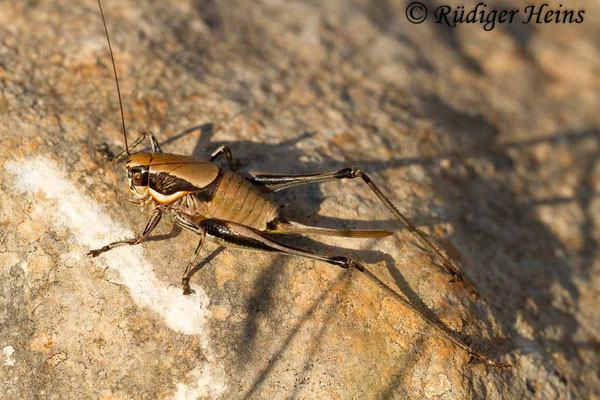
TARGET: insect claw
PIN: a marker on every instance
(187, 290)
(97, 252)
(104, 151)
(499, 365)
(472, 359)
(474, 355)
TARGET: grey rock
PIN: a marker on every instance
(489, 141)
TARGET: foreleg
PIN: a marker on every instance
(152, 142)
(150, 225)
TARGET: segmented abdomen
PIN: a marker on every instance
(237, 200)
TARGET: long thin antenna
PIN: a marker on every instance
(112, 57)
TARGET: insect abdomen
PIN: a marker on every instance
(238, 201)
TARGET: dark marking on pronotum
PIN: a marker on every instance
(167, 184)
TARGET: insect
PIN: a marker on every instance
(235, 209)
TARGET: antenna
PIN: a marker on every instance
(116, 78)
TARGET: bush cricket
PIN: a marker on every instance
(235, 209)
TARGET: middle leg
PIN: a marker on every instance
(186, 223)
(224, 149)
(187, 273)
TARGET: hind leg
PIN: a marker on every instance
(230, 234)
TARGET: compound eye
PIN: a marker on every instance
(139, 179)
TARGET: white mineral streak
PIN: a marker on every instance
(92, 228)
(9, 360)
(205, 385)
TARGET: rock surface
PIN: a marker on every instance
(489, 141)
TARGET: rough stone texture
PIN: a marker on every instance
(489, 140)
